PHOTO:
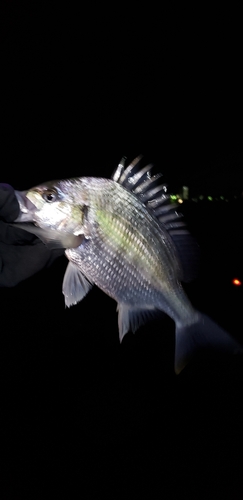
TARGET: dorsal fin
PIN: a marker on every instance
(154, 195)
(132, 174)
(119, 170)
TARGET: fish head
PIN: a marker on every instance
(53, 207)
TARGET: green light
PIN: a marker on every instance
(210, 198)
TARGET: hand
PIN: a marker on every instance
(21, 254)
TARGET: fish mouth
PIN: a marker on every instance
(26, 207)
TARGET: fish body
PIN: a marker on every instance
(124, 235)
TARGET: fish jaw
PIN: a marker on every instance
(27, 208)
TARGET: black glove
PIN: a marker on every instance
(21, 254)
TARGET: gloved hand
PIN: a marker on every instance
(21, 254)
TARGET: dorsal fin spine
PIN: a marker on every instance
(155, 197)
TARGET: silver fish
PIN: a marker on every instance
(124, 235)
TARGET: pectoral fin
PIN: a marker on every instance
(75, 285)
(51, 237)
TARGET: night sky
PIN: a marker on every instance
(79, 90)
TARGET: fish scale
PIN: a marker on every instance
(119, 241)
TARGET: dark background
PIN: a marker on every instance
(79, 91)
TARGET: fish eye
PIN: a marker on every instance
(50, 195)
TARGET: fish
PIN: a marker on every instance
(125, 236)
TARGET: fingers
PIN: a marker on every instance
(9, 207)
(15, 236)
(18, 263)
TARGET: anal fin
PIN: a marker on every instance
(131, 318)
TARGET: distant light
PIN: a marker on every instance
(236, 282)
(185, 193)
(180, 200)
(210, 198)
(173, 197)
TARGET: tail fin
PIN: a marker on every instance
(203, 334)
